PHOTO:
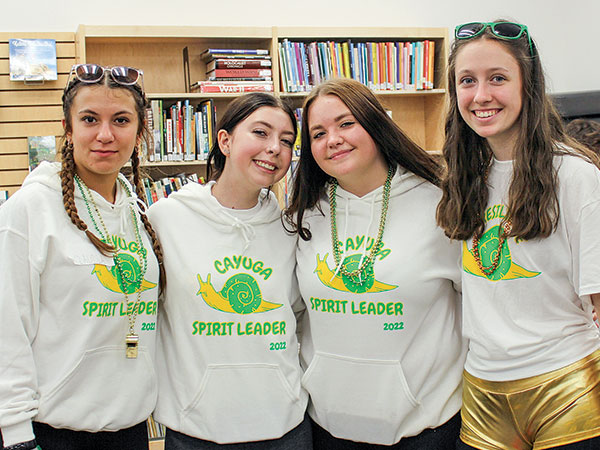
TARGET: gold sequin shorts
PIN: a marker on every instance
(557, 408)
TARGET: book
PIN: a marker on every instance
(40, 148)
(224, 63)
(239, 73)
(32, 59)
(214, 53)
(232, 86)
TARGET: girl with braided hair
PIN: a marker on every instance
(79, 270)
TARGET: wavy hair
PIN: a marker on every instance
(532, 202)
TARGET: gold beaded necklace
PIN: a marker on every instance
(357, 275)
(503, 231)
(132, 339)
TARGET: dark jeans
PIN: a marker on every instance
(134, 438)
(588, 444)
(299, 438)
(443, 437)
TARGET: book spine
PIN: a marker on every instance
(169, 137)
(292, 65)
(240, 73)
(431, 64)
(238, 64)
(211, 89)
(235, 51)
(305, 67)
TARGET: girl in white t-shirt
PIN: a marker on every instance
(525, 199)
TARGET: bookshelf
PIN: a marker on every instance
(158, 51)
(418, 112)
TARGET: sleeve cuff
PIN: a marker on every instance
(20, 432)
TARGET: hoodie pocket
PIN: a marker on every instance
(242, 402)
(104, 391)
(364, 400)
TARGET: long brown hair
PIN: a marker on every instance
(532, 202)
(397, 148)
(68, 169)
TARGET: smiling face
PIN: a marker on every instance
(258, 151)
(104, 132)
(342, 148)
(489, 93)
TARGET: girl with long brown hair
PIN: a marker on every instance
(80, 280)
(525, 200)
(381, 341)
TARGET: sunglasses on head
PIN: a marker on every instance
(93, 73)
(503, 30)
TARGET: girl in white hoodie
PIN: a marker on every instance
(229, 374)
(382, 344)
(80, 281)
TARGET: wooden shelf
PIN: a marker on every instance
(157, 50)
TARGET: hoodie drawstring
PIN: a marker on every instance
(138, 206)
(345, 235)
(247, 230)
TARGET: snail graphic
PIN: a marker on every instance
(488, 247)
(240, 295)
(111, 279)
(343, 283)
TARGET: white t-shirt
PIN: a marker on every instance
(534, 313)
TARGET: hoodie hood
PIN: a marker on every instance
(402, 181)
(199, 199)
(48, 174)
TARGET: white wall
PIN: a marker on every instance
(566, 31)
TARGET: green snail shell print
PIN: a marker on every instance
(112, 280)
(240, 295)
(351, 263)
(243, 293)
(344, 283)
(488, 248)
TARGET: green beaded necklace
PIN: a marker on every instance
(132, 339)
(357, 275)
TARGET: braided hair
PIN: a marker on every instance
(68, 168)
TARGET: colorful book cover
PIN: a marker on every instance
(32, 59)
(40, 148)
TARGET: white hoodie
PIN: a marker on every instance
(63, 323)
(384, 360)
(228, 354)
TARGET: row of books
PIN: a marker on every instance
(181, 131)
(236, 70)
(162, 188)
(379, 65)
